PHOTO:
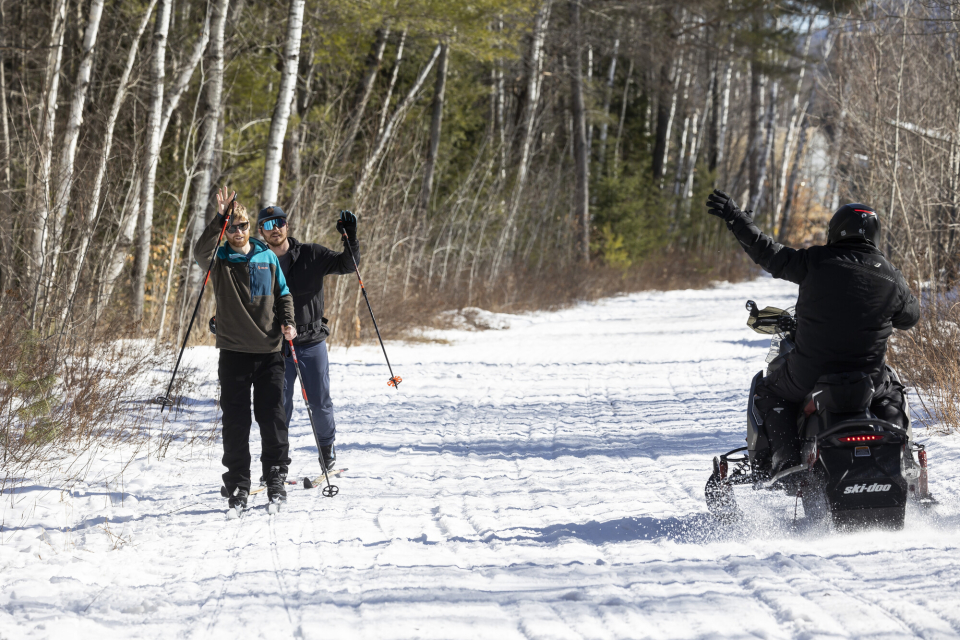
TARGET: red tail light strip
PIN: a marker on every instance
(871, 438)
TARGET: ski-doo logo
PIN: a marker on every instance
(869, 488)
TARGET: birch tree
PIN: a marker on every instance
(40, 194)
(281, 112)
(436, 120)
(87, 231)
(151, 157)
(581, 197)
(68, 152)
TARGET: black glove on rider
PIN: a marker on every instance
(722, 205)
(348, 224)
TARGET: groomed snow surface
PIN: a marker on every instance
(540, 480)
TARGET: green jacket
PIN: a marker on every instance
(252, 296)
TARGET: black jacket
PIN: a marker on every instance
(851, 298)
(309, 264)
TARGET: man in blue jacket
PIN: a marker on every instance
(254, 316)
(304, 267)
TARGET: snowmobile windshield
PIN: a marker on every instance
(766, 320)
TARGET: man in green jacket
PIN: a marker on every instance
(254, 316)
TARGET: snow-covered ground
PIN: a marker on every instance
(542, 480)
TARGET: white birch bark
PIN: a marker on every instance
(151, 157)
(436, 122)
(6, 126)
(385, 111)
(209, 135)
(534, 78)
(41, 197)
(389, 130)
(172, 96)
(281, 111)
(794, 121)
(606, 103)
(88, 230)
(68, 153)
(767, 149)
(724, 116)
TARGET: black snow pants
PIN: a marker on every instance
(778, 401)
(238, 373)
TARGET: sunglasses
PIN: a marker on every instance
(278, 223)
(238, 227)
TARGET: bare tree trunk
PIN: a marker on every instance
(281, 112)
(794, 122)
(151, 157)
(623, 117)
(123, 242)
(374, 60)
(767, 151)
(385, 110)
(581, 198)
(388, 131)
(88, 230)
(211, 102)
(68, 152)
(534, 77)
(436, 121)
(724, 117)
(172, 97)
(790, 193)
(6, 127)
(606, 103)
(666, 105)
(755, 130)
(41, 197)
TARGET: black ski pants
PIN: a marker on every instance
(238, 373)
(779, 403)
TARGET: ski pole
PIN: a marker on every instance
(394, 380)
(331, 489)
(165, 400)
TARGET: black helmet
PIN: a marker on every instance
(854, 221)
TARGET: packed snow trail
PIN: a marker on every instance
(539, 481)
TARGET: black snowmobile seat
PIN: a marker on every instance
(848, 392)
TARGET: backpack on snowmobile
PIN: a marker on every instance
(854, 467)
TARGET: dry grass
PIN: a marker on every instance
(59, 400)
(928, 358)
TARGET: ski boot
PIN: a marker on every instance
(276, 492)
(328, 456)
(236, 502)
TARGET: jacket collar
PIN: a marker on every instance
(226, 252)
(855, 244)
(293, 248)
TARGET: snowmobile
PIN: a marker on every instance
(855, 468)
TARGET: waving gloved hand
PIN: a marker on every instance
(347, 224)
(722, 205)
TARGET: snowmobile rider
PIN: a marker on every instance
(304, 266)
(851, 298)
(254, 315)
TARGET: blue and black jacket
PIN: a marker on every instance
(253, 301)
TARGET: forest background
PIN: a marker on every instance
(504, 154)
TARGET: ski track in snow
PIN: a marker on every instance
(538, 482)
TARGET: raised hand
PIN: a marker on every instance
(722, 205)
(223, 201)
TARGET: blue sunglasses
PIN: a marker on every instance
(276, 223)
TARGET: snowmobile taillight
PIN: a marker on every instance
(866, 438)
(723, 468)
(810, 408)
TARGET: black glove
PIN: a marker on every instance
(721, 205)
(347, 223)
